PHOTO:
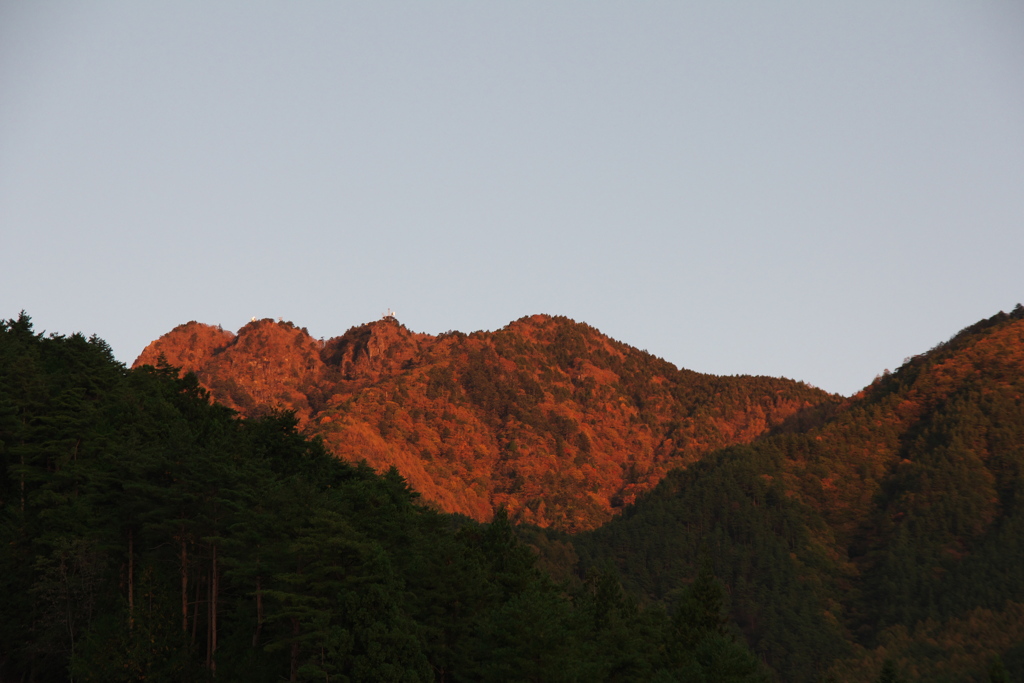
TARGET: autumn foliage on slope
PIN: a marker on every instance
(547, 417)
(149, 535)
(888, 528)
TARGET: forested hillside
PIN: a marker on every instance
(546, 417)
(148, 534)
(888, 529)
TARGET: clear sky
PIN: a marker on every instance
(813, 190)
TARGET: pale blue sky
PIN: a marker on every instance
(812, 190)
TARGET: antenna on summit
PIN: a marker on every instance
(390, 316)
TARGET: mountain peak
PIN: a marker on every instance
(366, 351)
(187, 346)
(546, 416)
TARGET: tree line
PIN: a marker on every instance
(148, 533)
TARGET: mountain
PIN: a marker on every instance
(547, 417)
(149, 534)
(889, 527)
(879, 537)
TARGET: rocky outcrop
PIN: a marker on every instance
(548, 417)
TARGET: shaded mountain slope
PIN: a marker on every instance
(873, 530)
(546, 416)
(149, 535)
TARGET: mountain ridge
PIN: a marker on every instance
(876, 528)
(546, 417)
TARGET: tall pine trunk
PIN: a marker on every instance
(295, 651)
(209, 619)
(184, 586)
(195, 608)
(213, 610)
(259, 611)
(131, 580)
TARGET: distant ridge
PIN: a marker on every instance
(546, 416)
(887, 528)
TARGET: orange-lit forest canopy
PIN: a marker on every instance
(147, 534)
(546, 417)
(890, 528)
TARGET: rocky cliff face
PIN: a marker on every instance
(546, 416)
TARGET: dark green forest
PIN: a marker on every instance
(151, 534)
(880, 540)
(147, 533)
